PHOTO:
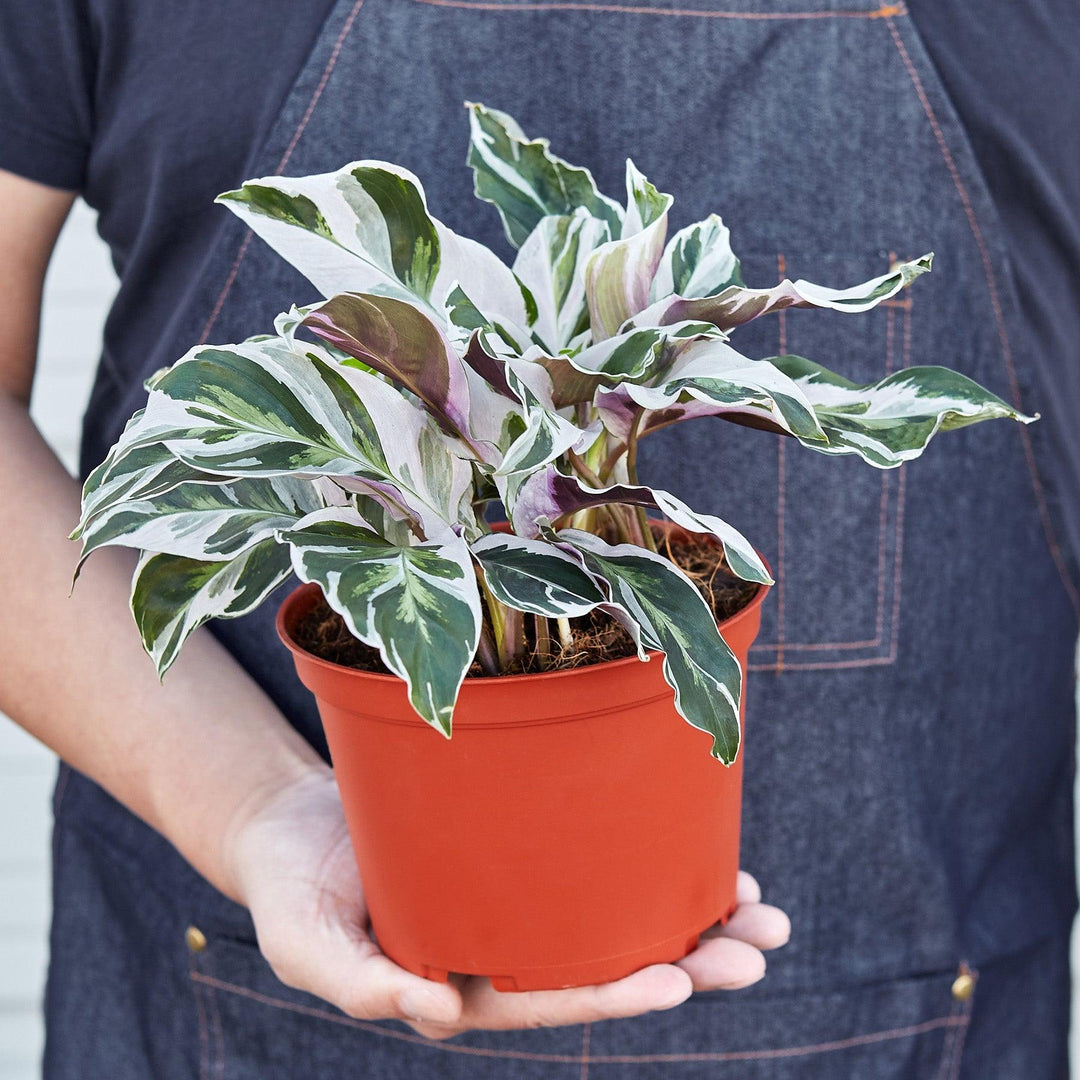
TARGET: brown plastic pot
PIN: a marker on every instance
(574, 830)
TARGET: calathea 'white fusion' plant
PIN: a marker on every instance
(442, 380)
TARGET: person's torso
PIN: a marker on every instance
(910, 710)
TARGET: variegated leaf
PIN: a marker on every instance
(722, 382)
(418, 605)
(674, 619)
(361, 227)
(645, 203)
(520, 418)
(466, 318)
(265, 409)
(698, 261)
(581, 375)
(204, 521)
(525, 181)
(619, 274)
(547, 434)
(401, 342)
(638, 355)
(535, 576)
(737, 304)
(143, 472)
(172, 596)
(891, 421)
(548, 495)
(551, 265)
(625, 356)
(493, 288)
(547, 437)
(367, 228)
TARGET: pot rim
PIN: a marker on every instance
(308, 589)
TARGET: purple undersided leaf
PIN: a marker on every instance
(737, 304)
(399, 341)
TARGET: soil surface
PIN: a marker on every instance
(596, 637)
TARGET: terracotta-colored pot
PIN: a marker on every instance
(575, 828)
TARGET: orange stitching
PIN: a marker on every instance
(230, 280)
(999, 316)
(947, 1046)
(820, 646)
(218, 1064)
(898, 565)
(883, 524)
(781, 646)
(573, 1059)
(586, 1039)
(829, 665)
(331, 63)
(226, 288)
(204, 1038)
(781, 495)
(894, 627)
(894, 645)
(885, 12)
(901, 501)
(890, 327)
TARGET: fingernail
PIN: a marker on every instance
(422, 1004)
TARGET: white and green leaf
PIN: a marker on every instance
(525, 181)
(547, 495)
(213, 522)
(674, 619)
(267, 409)
(551, 265)
(535, 576)
(401, 342)
(619, 274)
(419, 605)
(366, 228)
(738, 304)
(707, 377)
(697, 261)
(892, 420)
(144, 471)
(172, 596)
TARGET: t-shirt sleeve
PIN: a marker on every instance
(46, 90)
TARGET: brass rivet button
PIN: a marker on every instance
(195, 939)
(963, 986)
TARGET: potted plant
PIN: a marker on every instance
(574, 829)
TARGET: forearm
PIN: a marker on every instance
(190, 756)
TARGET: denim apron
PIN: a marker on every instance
(909, 759)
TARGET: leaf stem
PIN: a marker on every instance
(513, 645)
(543, 641)
(631, 447)
(628, 448)
(485, 653)
(583, 470)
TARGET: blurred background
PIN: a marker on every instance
(78, 291)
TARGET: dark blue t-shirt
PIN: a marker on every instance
(151, 107)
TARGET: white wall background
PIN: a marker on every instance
(78, 290)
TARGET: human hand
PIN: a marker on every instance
(295, 870)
